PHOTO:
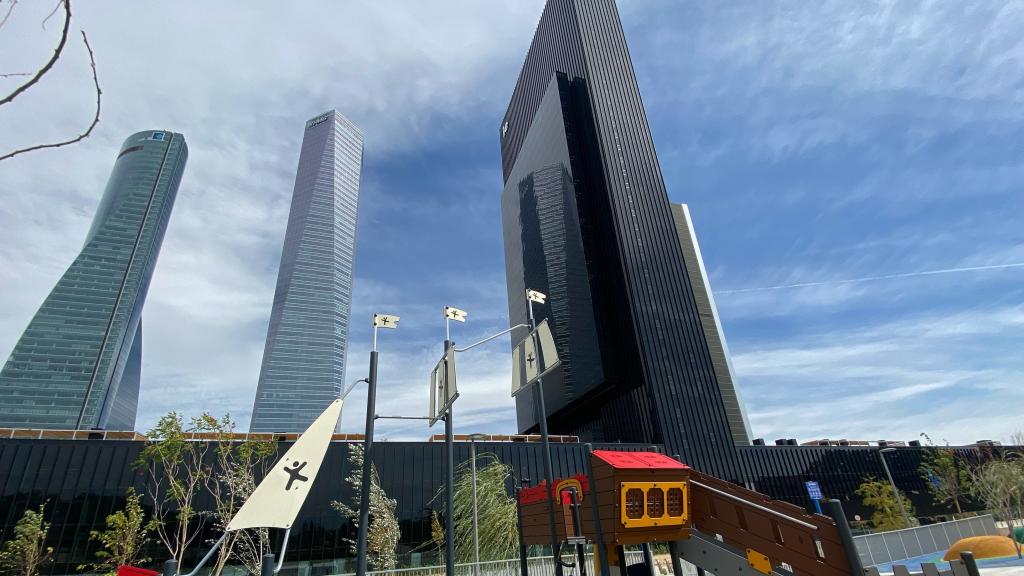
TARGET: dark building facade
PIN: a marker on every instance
(587, 220)
(83, 481)
(79, 362)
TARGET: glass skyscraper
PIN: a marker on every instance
(586, 219)
(304, 357)
(78, 364)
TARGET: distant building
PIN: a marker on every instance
(78, 364)
(721, 362)
(587, 220)
(304, 357)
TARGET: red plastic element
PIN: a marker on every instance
(639, 460)
(537, 493)
(135, 571)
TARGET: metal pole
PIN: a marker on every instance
(476, 537)
(599, 545)
(673, 552)
(523, 567)
(549, 474)
(834, 509)
(895, 491)
(449, 507)
(268, 565)
(648, 557)
(577, 526)
(364, 501)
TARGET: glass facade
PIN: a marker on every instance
(657, 378)
(78, 364)
(304, 357)
(544, 251)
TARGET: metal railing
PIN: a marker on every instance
(886, 547)
(536, 566)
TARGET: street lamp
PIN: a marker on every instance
(472, 466)
(379, 321)
(542, 420)
(895, 491)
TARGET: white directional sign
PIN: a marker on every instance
(278, 498)
(443, 388)
(454, 314)
(385, 321)
(529, 363)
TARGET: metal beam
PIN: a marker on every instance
(717, 557)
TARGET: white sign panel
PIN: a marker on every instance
(527, 364)
(276, 501)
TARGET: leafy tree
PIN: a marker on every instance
(23, 554)
(437, 533)
(948, 477)
(124, 539)
(879, 496)
(383, 532)
(238, 464)
(175, 464)
(1000, 484)
(496, 511)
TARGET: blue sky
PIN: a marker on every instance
(814, 143)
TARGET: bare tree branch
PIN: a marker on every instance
(13, 74)
(8, 15)
(95, 120)
(50, 15)
(53, 59)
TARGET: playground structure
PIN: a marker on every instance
(631, 498)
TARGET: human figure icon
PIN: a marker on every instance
(295, 474)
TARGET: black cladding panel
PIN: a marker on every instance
(659, 384)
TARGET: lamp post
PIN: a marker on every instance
(542, 420)
(379, 321)
(472, 466)
(450, 314)
(895, 491)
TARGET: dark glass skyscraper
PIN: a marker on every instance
(587, 220)
(78, 364)
(304, 357)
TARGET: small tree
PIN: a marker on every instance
(124, 539)
(1000, 484)
(436, 533)
(23, 554)
(496, 511)
(177, 474)
(238, 464)
(948, 477)
(383, 532)
(880, 497)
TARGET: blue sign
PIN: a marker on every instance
(813, 490)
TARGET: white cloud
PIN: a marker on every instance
(931, 373)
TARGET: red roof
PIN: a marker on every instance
(639, 460)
